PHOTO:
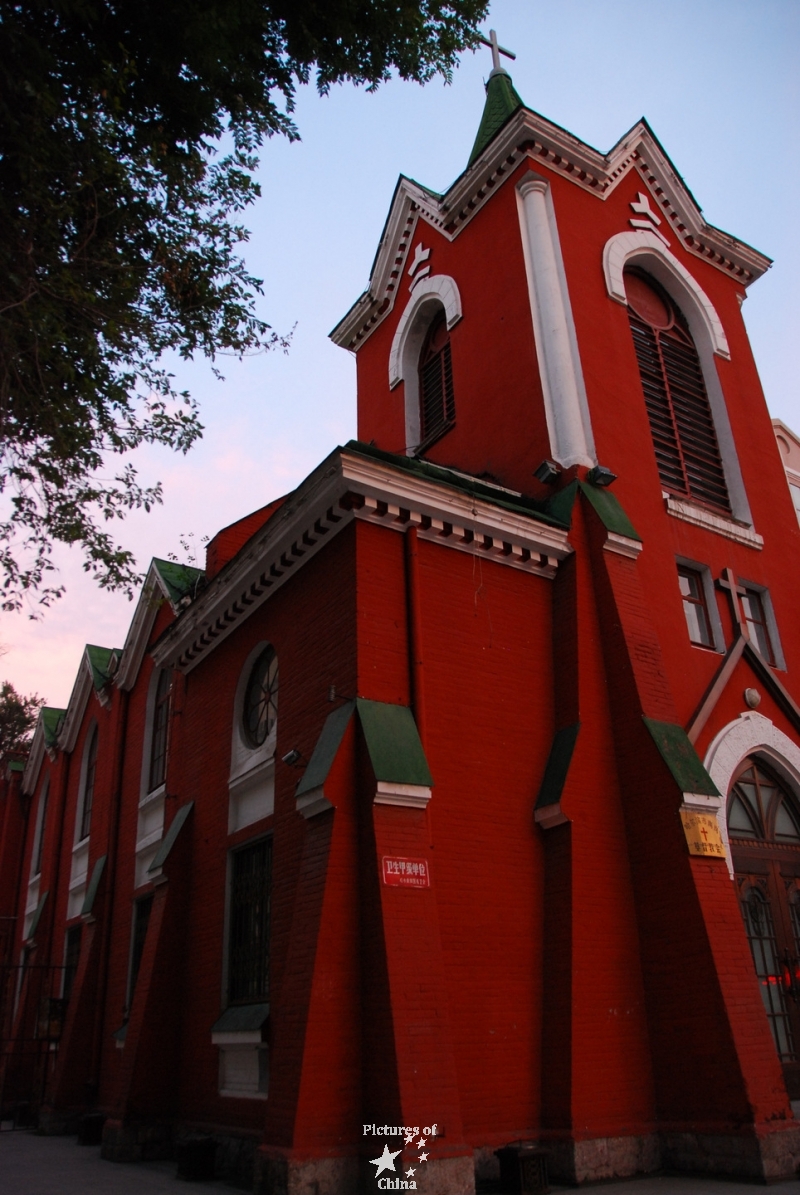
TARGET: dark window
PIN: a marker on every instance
(684, 437)
(760, 807)
(88, 787)
(755, 617)
(248, 949)
(141, 920)
(764, 948)
(261, 698)
(437, 408)
(72, 952)
(40, 825)
(160, 727)
(694, 606)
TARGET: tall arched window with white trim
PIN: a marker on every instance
(160, 727)
(251, 784)
(681, 422)
(87, 788)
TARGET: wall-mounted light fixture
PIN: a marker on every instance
(548, 472)
(293, 758)
(600, 475)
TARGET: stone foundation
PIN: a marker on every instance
(760, 1159)
(577, 1162)
(277, 1174)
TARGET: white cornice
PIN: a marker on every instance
(527, 135)
(345, 487)
(77, 705)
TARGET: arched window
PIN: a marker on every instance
(759, 807)
(260, 708)
(437, 408)
(160, 726)
(251, 783)
(87, 796)
(681, 422)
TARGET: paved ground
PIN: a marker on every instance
(31, 1165)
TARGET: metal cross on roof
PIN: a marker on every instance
(491, 42)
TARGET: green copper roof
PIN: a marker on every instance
(392, 739)
(51, 720)
(325, 749)
(100, 663)
(37, 916)
(502, 102)
(558, 761)
(168, 841)
(242, 1018)
(180, 579)
(393, 742)
(609, 510)
(681, 758)
(94, 884)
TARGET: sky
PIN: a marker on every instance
(716, 79)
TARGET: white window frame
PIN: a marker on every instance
(150, 820)
(710, 595)
(769, 615)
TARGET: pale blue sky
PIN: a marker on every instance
(716, 79)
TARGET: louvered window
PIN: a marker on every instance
(437, 408)
(684, 437)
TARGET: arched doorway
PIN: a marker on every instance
(764, 834)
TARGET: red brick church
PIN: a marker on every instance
(462, 787)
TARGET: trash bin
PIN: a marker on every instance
(196, 1158)
(523, 1168)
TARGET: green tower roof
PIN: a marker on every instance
(502, 102)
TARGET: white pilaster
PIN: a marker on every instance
(566, 407)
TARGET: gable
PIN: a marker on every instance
(523, 137)
(177, 584)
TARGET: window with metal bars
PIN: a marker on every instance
(249, 926)
(681, 423)
(160, 727)
(88, 787)
(437, 408)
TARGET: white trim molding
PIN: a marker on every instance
(651, 252)
(410, 796)
(529, 137)
(680, 508)
(750, 734)
(352, 486)
(566, 406)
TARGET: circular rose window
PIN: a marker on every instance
(261, 698)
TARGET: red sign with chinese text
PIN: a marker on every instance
(406, 873)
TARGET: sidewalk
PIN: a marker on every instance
(31, 1165)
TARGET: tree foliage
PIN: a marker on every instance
(18, 716)
(128, 135)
